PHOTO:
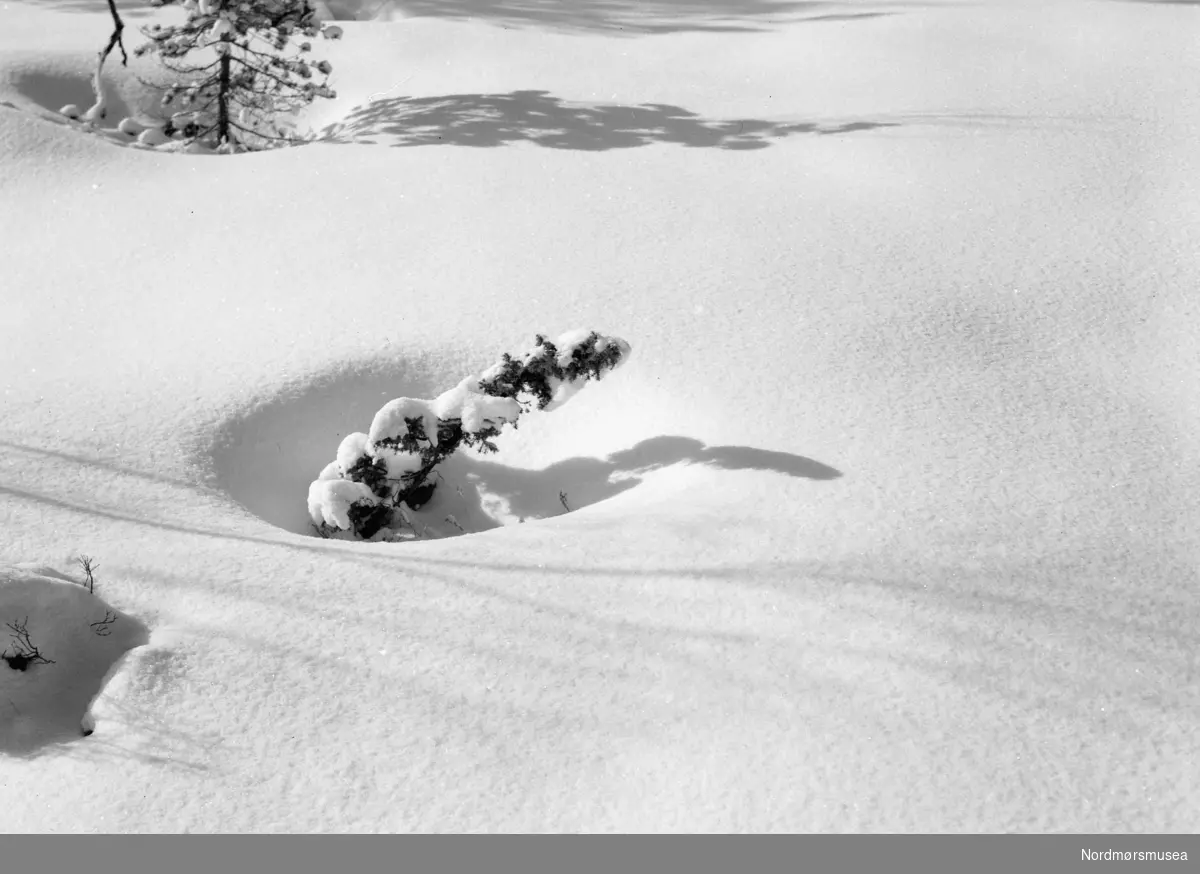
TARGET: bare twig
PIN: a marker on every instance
(25, 653)
(103, 627)
(89, 565)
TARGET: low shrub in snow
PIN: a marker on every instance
(88, 565)
(380, 476)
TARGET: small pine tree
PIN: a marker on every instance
(237, 77)
(378, 476)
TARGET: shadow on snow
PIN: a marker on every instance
(534, 494)
(483, 120)
(627, 17)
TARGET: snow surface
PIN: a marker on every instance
(889, 525)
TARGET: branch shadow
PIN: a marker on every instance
(539, 494)
(148, 739)
(102, 465)
(1162, 632)
(620, 17)
(538, 117)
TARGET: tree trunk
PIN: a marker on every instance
(114, 40)
(223, 98)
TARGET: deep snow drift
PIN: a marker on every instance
(889, 523)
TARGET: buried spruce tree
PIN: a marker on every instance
(240, 67)
(379, 476)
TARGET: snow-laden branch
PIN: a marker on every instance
(388, 467)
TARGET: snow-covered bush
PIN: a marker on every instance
(242, 67)
(379, 476)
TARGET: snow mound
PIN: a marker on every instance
(57, 642)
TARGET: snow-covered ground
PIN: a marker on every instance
(889, 524)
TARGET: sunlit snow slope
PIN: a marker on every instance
(889, 524)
